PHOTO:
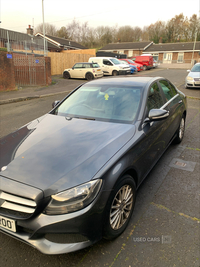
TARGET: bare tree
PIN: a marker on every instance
(63, 33)
(156, 31)
(125, 34)
(49, 29)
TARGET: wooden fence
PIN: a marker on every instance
(66, 59)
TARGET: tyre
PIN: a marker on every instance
(89, 76)
(180, 132)
(144, 67)
(114, 73)
(119, 208)
(66, 75)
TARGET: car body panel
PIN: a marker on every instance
(131, 62)
(77, 159)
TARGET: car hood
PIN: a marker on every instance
(194, 74)
(123, 66)
(53, 153)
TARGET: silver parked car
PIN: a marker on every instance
(193, 78)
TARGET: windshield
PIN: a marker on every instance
(106, 102)
(196, 68)
(124, 62)
(115, 61)
(131, 61)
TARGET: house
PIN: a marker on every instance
(175, 52)
(17, 41)
(131, 49)
(57, 44)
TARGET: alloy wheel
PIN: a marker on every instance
(121, 207)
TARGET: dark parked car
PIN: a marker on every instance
(70, 177)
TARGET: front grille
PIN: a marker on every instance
(66, 238)
(15, 206)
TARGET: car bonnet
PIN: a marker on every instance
(54, 153)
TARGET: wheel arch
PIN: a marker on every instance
(90, 73)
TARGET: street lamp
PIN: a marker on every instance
(43, 26)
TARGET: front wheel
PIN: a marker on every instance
(114, 73)
(66, 75)
(119, 208)
(180, 132)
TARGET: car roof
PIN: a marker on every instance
(127, 81)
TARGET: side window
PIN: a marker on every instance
(78, 66)
(168, 89)
(86, 66)
(107, 62)
(155, 100)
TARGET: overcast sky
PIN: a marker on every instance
(16, 15)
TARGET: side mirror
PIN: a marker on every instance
(55, 103)
(157, 114)
(188, 70)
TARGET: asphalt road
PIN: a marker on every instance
(164, 230)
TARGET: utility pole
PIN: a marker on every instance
(43, 27)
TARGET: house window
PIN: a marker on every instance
(180, 57)
(167, 58)
(130, 53)
(121, 52)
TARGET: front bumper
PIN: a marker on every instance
(123, 72)
(57, 234)
(195, 84)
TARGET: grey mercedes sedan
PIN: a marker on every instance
(70, 177)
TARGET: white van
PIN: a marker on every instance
(111, 65)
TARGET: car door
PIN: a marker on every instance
(152, 143)
(77, 71)
(107, 67)
(173, 104)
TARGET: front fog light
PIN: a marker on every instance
(73, 199)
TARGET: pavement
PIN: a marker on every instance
(58, 86)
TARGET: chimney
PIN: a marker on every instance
(160, 40)
(29, 30)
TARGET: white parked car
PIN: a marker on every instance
(84, 70)
(193, 78)
(111, 66)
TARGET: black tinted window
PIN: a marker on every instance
(168, 89)
(107, 62)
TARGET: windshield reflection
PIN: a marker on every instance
(102, 102)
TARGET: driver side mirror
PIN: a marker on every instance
(157, 114)
(55, 103)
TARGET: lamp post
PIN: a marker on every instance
(43, 27)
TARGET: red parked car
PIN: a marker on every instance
(145, 60)
(131, 62)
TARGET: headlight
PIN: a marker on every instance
(189, 78)
(73, 199)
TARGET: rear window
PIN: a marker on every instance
(95, 65)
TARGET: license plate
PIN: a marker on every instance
(98, 69)
(197, 83)
(8, 224)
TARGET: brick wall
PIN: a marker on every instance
(11, 76)
(7, 77)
